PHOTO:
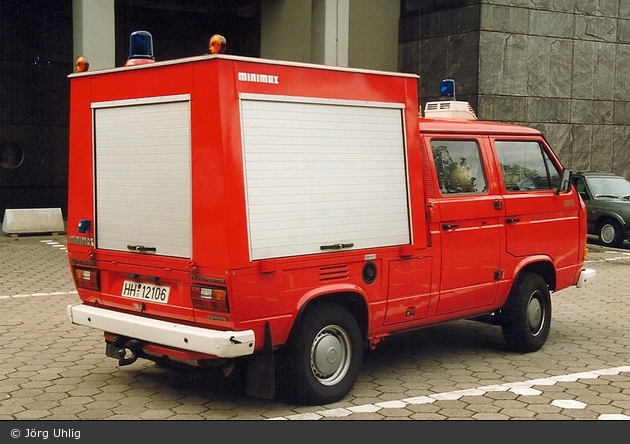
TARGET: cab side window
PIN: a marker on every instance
(525, 165)
(459, 166)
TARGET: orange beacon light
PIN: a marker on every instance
(217, 44)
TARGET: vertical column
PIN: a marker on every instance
(373, 35)
(93, 24)
(330, 32)
(286, 30)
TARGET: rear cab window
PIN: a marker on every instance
(459, 167)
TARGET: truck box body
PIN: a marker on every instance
(220, 207)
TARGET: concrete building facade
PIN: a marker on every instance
(557, 65)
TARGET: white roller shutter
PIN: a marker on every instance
(319, 174)
(143, 175)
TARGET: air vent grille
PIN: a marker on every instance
(333, 272)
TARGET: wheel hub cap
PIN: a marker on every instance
(326, 354)
(534, 315)
(608, 234)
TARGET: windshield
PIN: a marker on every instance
(614, 187)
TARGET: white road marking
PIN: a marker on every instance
(523, 388)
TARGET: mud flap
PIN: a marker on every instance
(260, 370)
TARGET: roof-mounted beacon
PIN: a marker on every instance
(140, 49)
(447, 108)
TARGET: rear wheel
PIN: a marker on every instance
(610, 233)
(326, 355)
(526, 316)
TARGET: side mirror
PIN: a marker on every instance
(565, 181)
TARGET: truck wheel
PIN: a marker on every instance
(610, 234)
(326, 355)
(526, 315)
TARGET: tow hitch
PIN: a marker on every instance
(125, 351)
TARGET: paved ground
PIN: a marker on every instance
(53, 370)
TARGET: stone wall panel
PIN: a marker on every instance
(621, 84)
(581, 147)
(601, 29)
(542, 109)
(551, 24)
(601, 148)
(621, 150)
(621, 113)
(509, 108)
(504, 19)
(560, 137)
(593, 112)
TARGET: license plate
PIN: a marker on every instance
(146, 292)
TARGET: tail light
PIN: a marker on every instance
(210, 298)
(86, 278)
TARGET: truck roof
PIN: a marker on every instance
(243, 59)
(430, 125)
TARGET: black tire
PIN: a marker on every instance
(610, 233)
(326, 353)
(526, 315)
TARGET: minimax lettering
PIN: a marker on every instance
(257, 78)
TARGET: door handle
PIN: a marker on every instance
(512, 220)
(449, 226)
(336, 246)
(141, 248)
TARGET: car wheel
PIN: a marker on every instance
(610, 234)
(326, 355)
(526, 315)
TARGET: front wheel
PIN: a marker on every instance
(610, 234)
(526, 316)
(326, 355)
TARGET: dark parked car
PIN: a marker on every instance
(607, 199)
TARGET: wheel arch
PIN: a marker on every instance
(612, 218)
(608, 217)
(350, 299)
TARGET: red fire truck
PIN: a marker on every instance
(228, 210)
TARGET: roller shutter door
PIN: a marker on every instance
(143, 175)
(320, 174)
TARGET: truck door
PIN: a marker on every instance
(538, 219)
(466, 219)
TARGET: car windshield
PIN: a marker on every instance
(613, 187)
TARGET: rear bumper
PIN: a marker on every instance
(223, 344)
(585, 275)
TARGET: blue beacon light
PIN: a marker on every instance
(140, 48)
(447, 88)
